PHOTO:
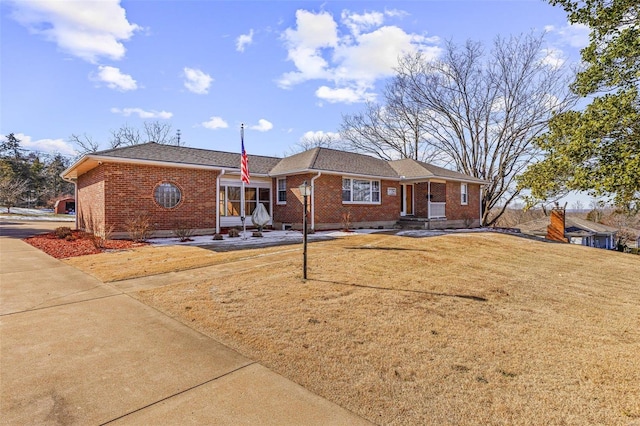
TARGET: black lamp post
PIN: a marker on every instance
(305, 191)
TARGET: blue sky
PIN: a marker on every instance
(284, 68)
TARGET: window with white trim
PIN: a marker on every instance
(167, 195)
(360, 191)
(282, 191)
(230, 202)
(464, 194)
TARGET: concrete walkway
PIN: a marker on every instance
(76, 351)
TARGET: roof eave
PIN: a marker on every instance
(332, 172)
(99, 159)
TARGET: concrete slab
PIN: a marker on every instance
(76, 351)
(31, 279)
(24, 291)
(253, 395)
(91, 362)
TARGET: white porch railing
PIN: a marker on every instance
(436, 210)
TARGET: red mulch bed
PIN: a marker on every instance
(80, 245)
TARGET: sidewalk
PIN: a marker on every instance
(76, 351)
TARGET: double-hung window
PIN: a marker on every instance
(360, 191)
(282, 191)
(464, 194)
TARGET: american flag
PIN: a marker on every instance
(244, 162)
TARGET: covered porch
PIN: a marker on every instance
(423, 200)
(435, 203)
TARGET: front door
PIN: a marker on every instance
(407, 200)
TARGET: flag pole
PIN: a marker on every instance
(242, 218)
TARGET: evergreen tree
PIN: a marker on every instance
(597, 149)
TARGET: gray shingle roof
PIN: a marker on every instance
(152, 151)
(412, 169)
(331, 160)
(313, 160)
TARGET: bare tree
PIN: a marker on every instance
(153, 131)
(475, 111)
(125, 136)
(484, 115)
(578, 206)
(84, 142)
(390, 131)
(162, 133)
(318, 139)
(12, 191)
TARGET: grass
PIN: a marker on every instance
(152, 260)
(459, 329)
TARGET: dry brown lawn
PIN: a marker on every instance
(458, 329)
(150, 260)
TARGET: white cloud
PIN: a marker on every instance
(553, 58)
(197, 81)
(115, 79)
(83, 28)
(244, 40)
(345, 95)
(313, 30)
(215, 123)
(351, 60)
(313, 33)
(262, 126)
(574, 35)
(375, 54)
(320, 135)
(358, 23)
(46, 145)
(126, 112)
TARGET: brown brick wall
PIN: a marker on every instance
(329, 208)
(112, 193)
(420, 192)
(556, 228)
(450, 194)
(91, 195)
(456, 211)
(128, 190)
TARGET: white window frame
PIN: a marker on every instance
(281, 190)
(224, 200)
(372, 191)
(464, 194)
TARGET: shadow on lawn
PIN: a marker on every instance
(431, 293)
(385, 248)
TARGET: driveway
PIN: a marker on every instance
(76, 351)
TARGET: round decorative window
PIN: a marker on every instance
(167, 195)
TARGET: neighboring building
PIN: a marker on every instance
(201, 189)
(65, 206)
(571, 229)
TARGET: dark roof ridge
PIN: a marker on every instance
(315, 156)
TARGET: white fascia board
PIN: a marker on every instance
(332, 172)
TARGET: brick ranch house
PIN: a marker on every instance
(200, 189)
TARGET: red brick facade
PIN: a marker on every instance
(112, 193)
(329, 210)
(116, 193)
